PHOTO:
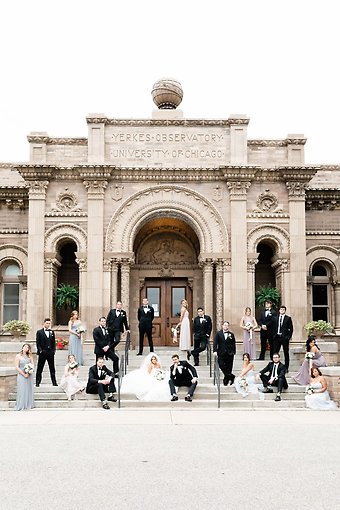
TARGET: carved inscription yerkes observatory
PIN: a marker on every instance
(167, 146)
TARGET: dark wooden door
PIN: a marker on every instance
(165, 296)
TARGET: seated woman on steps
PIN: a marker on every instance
(149, 382)
(245, 382)
(314, 358)
(317, 396)
(69, 381)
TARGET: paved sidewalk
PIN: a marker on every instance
(134, 459)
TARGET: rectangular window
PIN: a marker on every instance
(320, 302)
(11, 302)
(154, 297)
(177, 294)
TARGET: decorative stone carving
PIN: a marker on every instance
(15, 203)
(66, 202)
(278, 235)
(166, 249)
(171, 201)
(217, 196)
(56, 141)
(37, 189)
(266, 202)
(117, 192)
(251, 264)
(296, 190)
(238, 189)
(95, 189)
(65, 231)
(107, 264)
(167, 122)
(82, 263)
(166, 272)
(283, 264)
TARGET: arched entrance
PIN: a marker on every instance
(68, 273)
(166, 259)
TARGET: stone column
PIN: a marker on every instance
(226, 292)
(219, 292)
(238, 241)
(281, 267)
(36, 296)
(51, 265)
(207, 267)
(107, 284)
(23, 283)
(298, 265)
(125, 283)
(238, 140)
(114, 282)
(96, 138)
(337, 305)
(95, 249)
(251, 265)
(82, 263)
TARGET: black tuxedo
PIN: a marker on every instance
(116, 324)
(145, 319)
(201, 331)
(183, 377)
(102, 339)
(282, 335)
(46, 351)
(280, 380)
(267, 319)
(94, 387)
(225, 347)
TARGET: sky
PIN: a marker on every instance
(277, 61)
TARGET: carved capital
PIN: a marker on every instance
(251, 263)
(107, 264)
(95, 189)
(238, 189)
(296, 190)
(282, 264)
(82, 263)
(37, 189)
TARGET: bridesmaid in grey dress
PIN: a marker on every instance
(75, 343)
(24, 367)
(318, 360)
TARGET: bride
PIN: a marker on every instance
(245, 383)
(149, 383)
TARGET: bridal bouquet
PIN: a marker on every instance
(309, 390)
(249, 326)
(160, 375)
(243, 383)
(80, 330)
(29, 368)
(73, 365)
(174, 332)
(309, 355)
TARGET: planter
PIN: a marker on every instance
(16, 334)
(318, 333)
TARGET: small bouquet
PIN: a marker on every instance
(174, 332)
(309, 355)
(249, 327)
(159, 375)
(73, 365)
(309, 390)
(80, 330)
(61, 343)
(29, 368)
(243, 383)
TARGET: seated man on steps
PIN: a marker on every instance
(182, 374)
(274, 374)
(101, 380)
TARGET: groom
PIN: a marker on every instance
(101, 381)
(182, 374)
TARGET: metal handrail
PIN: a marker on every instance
(126, 351)
(120, 376)
(217, 381)
(209, 358)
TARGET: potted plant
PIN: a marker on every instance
(318, 328)
(61, 343)
(17, 328)
(67, 296)
(267, 293)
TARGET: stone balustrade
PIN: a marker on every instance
(8, 380)
(332, 376)
(328, 349)
(8, 351)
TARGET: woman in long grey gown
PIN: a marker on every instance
(24, 366)
(317, 359)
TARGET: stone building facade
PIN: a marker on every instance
(169, 207)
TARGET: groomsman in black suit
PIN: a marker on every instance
(182, 374)
(283, 331)
(102, 345)
(225, 350)
(274, 374)
(202, 327)
(116, 321)
(45, 340)
(266, 322)
(145, 317)
(101, 380)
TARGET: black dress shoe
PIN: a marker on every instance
(112, 398)
(225, 382)
(259, 359)
(174, 398)
(188, 355)
(232, 380)
(188, 398)
(267, 390)
(55, 384)
(37, 385)
(139, 354)
(105, 405)
(277, 398)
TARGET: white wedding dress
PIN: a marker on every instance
(251, 387)
(149, 387)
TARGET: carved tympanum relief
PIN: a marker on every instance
(169, 249)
